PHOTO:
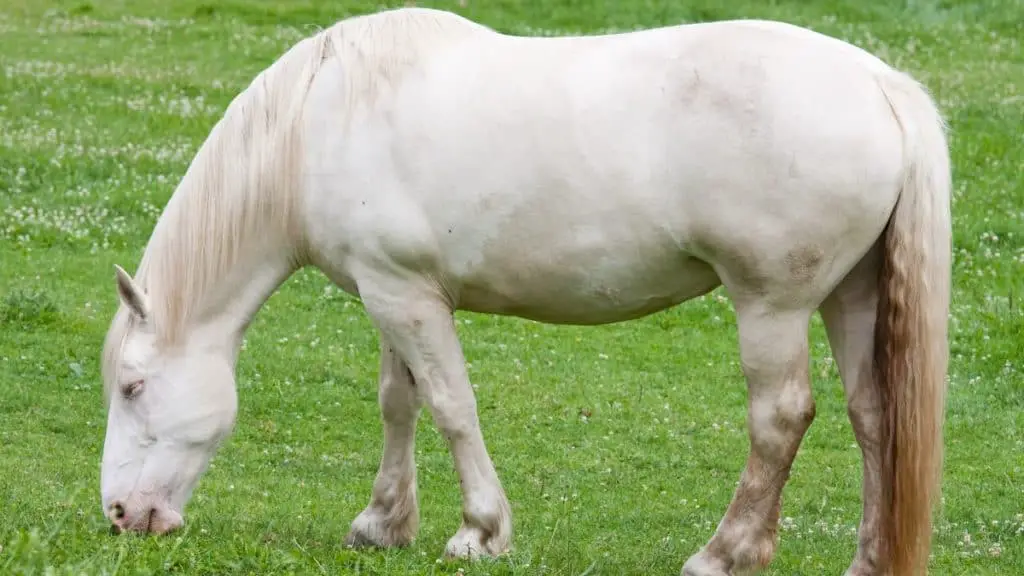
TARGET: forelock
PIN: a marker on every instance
(113, 348)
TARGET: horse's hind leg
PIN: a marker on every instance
(849, 315)
(774, 354)
(392, 517)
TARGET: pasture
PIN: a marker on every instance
(619, 446)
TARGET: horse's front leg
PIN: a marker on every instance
(774, 354)
(422, 330)
(392, 517)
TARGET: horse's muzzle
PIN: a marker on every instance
(147, 519)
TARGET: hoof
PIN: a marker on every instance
(861, 569)
(701, 565)
(471, 544)
(370, 530)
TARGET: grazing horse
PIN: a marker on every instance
(429, 164)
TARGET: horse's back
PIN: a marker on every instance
(599, 178)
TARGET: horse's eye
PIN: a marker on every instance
(132, 390)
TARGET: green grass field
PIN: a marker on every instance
(619, 446)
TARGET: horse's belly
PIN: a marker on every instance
(561, 287)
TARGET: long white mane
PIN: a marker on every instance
(245, 181)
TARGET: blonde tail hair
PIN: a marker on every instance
(911, 335)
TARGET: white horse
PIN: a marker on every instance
(429, 164)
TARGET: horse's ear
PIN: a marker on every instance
(130, 293)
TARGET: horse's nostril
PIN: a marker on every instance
(117, 511)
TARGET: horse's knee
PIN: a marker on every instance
(454, 412)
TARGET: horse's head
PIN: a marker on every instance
(169, 407)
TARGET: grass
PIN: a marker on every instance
(619, 446)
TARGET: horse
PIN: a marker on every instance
(427, 164)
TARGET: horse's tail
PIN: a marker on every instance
(911, 346)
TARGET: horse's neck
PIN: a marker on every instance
(230, 308)
(240, 303)
(219, 317)
(228, 237)
(223, 245)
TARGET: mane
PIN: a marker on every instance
(244, 183)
